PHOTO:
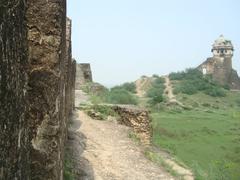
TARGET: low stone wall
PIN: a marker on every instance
(129, 115)
(136, 118)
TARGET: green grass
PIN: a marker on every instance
(120, 96)
(130, 87)
(102, 111)
(134, 137)
(156, 158)
(206, 138)
(116, 95)
(68, 174)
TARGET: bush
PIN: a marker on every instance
(120, 96)
(159, 81)
(186, 87)
(215, 92)
(155, 76)
(237, 102)
(192, 82)
(155, 93)
(176, 76)
(131, 87)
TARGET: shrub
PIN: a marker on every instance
(106, 110)
(155, 76)
(159, 81)
(192, 82)
(120, 96)
(176, 76)
(238, 102)
(131, 87)
(155, 93)
(215, 92)
(186, 87)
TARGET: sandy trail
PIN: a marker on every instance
(109, 152)
(142, 85)
(113, 155)
(169, 92)
(103, 151)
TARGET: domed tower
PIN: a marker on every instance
(220, 65)
(222, 47)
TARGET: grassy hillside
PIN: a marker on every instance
(202, 131)
(205, 136)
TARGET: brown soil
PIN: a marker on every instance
(113, 155)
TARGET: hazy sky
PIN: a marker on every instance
(124, 39)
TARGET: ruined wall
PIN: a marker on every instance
(14, 142)
(83, 74)
(47, 86)
(221, 70)
(129, 115)
(235, 80)
(136, 118)
(68, 66)
(36, 88)
(73, 80)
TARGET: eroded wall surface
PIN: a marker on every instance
(83, 74)
(14, 130)
(47, 59)
(136, 118)
(36, 88)
(221, 70)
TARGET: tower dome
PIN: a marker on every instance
(222, 47)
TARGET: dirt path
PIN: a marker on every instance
(109, 152)
(113, 155)
(142, 85)
(102, 150)
(169, 92)
(169, 89)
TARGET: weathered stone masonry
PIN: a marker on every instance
(220, 65)
(83, 75)
(36, 88)
(14, 142)
(136, 118)
(47, 53)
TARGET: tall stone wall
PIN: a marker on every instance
(14, 130)
(36, 88)
(47, 58)
(83, 74)
(73, 80)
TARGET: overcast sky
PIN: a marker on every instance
(124, 39)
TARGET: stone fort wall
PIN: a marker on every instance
(83, 75)
(14, 129)
(36, 88)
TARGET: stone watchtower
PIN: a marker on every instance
(220, 65)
